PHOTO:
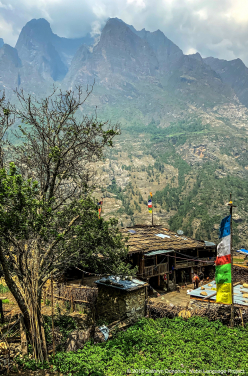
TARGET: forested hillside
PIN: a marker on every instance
(184, 121)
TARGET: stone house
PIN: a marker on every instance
(121, 299)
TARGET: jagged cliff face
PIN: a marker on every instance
(35, 49)
(10, 65)
(123, 61)
(184, 119)
(234, 73)
(49, 54)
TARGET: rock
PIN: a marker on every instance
(77, 339)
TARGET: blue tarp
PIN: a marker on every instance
(243, 251)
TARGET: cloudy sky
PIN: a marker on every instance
(216, 28)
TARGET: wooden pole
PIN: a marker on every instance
(240, 311)
(152, 208)
(232, 305)
(52, 314)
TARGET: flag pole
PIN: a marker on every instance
(152, 215)
(232, 306)
(152, 208)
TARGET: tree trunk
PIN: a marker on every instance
(35, 326)
(28, 299)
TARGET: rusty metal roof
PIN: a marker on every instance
(148, 238)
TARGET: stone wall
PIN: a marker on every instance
(7, 355)
(240, 274)
(115, 304)
(135, 304)
(212, 311)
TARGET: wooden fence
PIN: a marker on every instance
(73, 294)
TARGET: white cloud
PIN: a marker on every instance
(211, 27)
(95, 28)
(190, 51)
(139, 3)
(6, 6)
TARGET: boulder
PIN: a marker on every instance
(77, 339)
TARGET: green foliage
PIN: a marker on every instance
(24, 214)
(3, 289)
(173, 344)
(64, 324)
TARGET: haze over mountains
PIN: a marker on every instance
(184, 119)
(122, 55)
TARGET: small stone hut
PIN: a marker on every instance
(121, 299)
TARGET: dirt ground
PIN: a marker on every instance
(176, 298)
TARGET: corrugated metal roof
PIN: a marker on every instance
(152, 253)
(163, 236)
(208, 244)
(237, 293)
(121, 284)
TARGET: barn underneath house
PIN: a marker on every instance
(166, 259)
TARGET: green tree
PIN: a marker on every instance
(49, 221)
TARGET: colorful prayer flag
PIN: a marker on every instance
(99, 203)
(99, 212)
(150, 206)
(223, 270)
(151, 194)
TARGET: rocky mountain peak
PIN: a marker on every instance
(1, 42)
(35, 30)
(196, 56)
(121, 50)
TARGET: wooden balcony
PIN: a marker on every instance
(185, 264)
(150, 271)
(204, 261)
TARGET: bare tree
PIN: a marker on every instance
(59, 143)
(7, 119)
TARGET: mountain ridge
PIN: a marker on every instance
(184, 121)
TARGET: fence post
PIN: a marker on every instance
(72, 301)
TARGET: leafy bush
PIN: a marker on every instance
(64, 323)
(3, 289)
(162, 344)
